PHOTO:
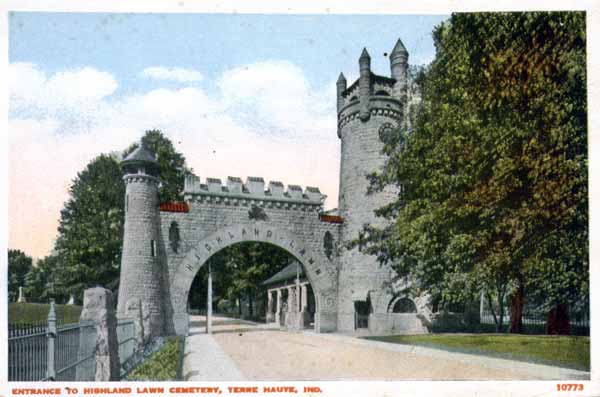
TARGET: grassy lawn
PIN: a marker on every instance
(34, 313)
(564, 351)
(162, 365)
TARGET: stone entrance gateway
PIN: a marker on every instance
(165, 245)
(319, 270)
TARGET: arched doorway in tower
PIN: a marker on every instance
(250, 285)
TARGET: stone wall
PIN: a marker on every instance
(396, 323)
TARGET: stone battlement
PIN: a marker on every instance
(254, 188)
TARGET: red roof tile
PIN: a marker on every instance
(331, 218)
(175, 206)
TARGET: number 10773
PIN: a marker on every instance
(569, 386)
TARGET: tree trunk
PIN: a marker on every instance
(558, 320)
(239, 301)
(517, 301)
(250, 306)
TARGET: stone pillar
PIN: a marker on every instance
(133, 310)
(304, 315)
(269, 315)
(209, 303)
(278, 307)
(290, 299)
(21, 296)
(304, 304)
(98, 308)
(291, 317)
(317, 313)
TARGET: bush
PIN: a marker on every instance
(163, 365)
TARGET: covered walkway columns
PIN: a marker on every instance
(296, 313)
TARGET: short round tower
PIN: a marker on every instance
(140, 267)
(368, 110)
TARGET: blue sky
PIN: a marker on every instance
(322, 45)
(240, 95)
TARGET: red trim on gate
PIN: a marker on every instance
(331, 218)
(174, 206)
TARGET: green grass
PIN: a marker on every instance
(162, 365)
(34, 313)
(564, 351)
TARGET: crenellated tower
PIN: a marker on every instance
(368, 111)
(140, 266)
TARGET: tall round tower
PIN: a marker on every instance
(140, 267)
(368, 110)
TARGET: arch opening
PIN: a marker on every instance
(314, 263)
(253, 281)
(404, 305)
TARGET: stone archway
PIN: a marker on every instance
(181, 277)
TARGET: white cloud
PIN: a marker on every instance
(265, 120)
(73, 90)
(277, 97)
(180, 75)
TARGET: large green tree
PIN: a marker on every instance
(494, 174)
(91, 228)
(19, 264)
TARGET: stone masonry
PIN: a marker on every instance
(166, 244)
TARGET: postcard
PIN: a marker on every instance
(319, 200)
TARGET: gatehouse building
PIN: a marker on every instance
(165, 244)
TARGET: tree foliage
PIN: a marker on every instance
(494, 174)
(45, 281)
(19, 264)
(91, 228)
(238, 272)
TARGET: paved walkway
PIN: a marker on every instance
(243, 350)
(204, 359)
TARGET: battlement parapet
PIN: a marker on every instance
(378, 106)
(141, 178)
(253, 189)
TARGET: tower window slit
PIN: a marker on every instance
(153, 247)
